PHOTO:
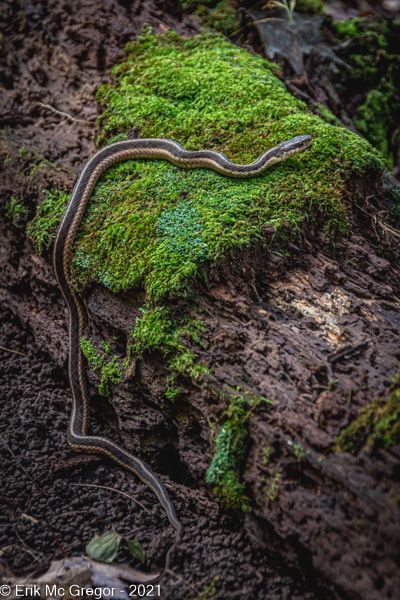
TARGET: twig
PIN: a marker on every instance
(29, 518)
(346, 351)
(12, 351)
(63, 114)
(26, 547)
(110, 489)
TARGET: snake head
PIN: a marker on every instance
(296, 144)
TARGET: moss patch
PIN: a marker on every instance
(230, 446)
(220, 15)
(157, 330)
(15, 209)
(311, 7)
(206, 93)
(372, 54)
(378, 424)
(101, 361)
(48, 215)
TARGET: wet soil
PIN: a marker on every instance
(48, 511)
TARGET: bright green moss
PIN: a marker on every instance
(358, 27)
(378, 424)
(43, 227)
(108, 367)
(157, 330)
(230, 446)
(349, 27)
(157, 226)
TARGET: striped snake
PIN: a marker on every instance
(161, 149)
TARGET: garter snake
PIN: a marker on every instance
(161, 149)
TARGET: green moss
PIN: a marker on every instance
(154, 226)
(206, 93)
(298, 451)
(15, 209)
(349, 27)
(393, 196)
(156, 329)
(311, 7)
(378, 424)
(375, 115)
(328, 116)
(271, 488)
(108, 367)
(372, 54)
(209, 591)
(230, 446)
(359, 27)
(43, 227)
(267, 453)
(218, 15)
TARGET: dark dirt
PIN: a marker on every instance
(46, 514)
(275, 327)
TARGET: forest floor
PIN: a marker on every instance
(52, 502)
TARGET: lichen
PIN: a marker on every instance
(377, 425)
(109, 367)
(230, 446)
(42, 228)
(198, 91)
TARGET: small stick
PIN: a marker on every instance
(29, 518)
(111, 489)
(12, 351)
(63, 114)
(26, 547)
(346, 351)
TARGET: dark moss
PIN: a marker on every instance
(311, 7)
(374, 78)
(378, 424)
(375, 116)
(15, 209)
(220, 15)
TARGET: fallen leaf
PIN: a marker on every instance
(136, 549)
(104, 548)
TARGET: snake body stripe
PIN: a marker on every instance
(161, 149)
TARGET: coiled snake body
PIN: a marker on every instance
(120, 151)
